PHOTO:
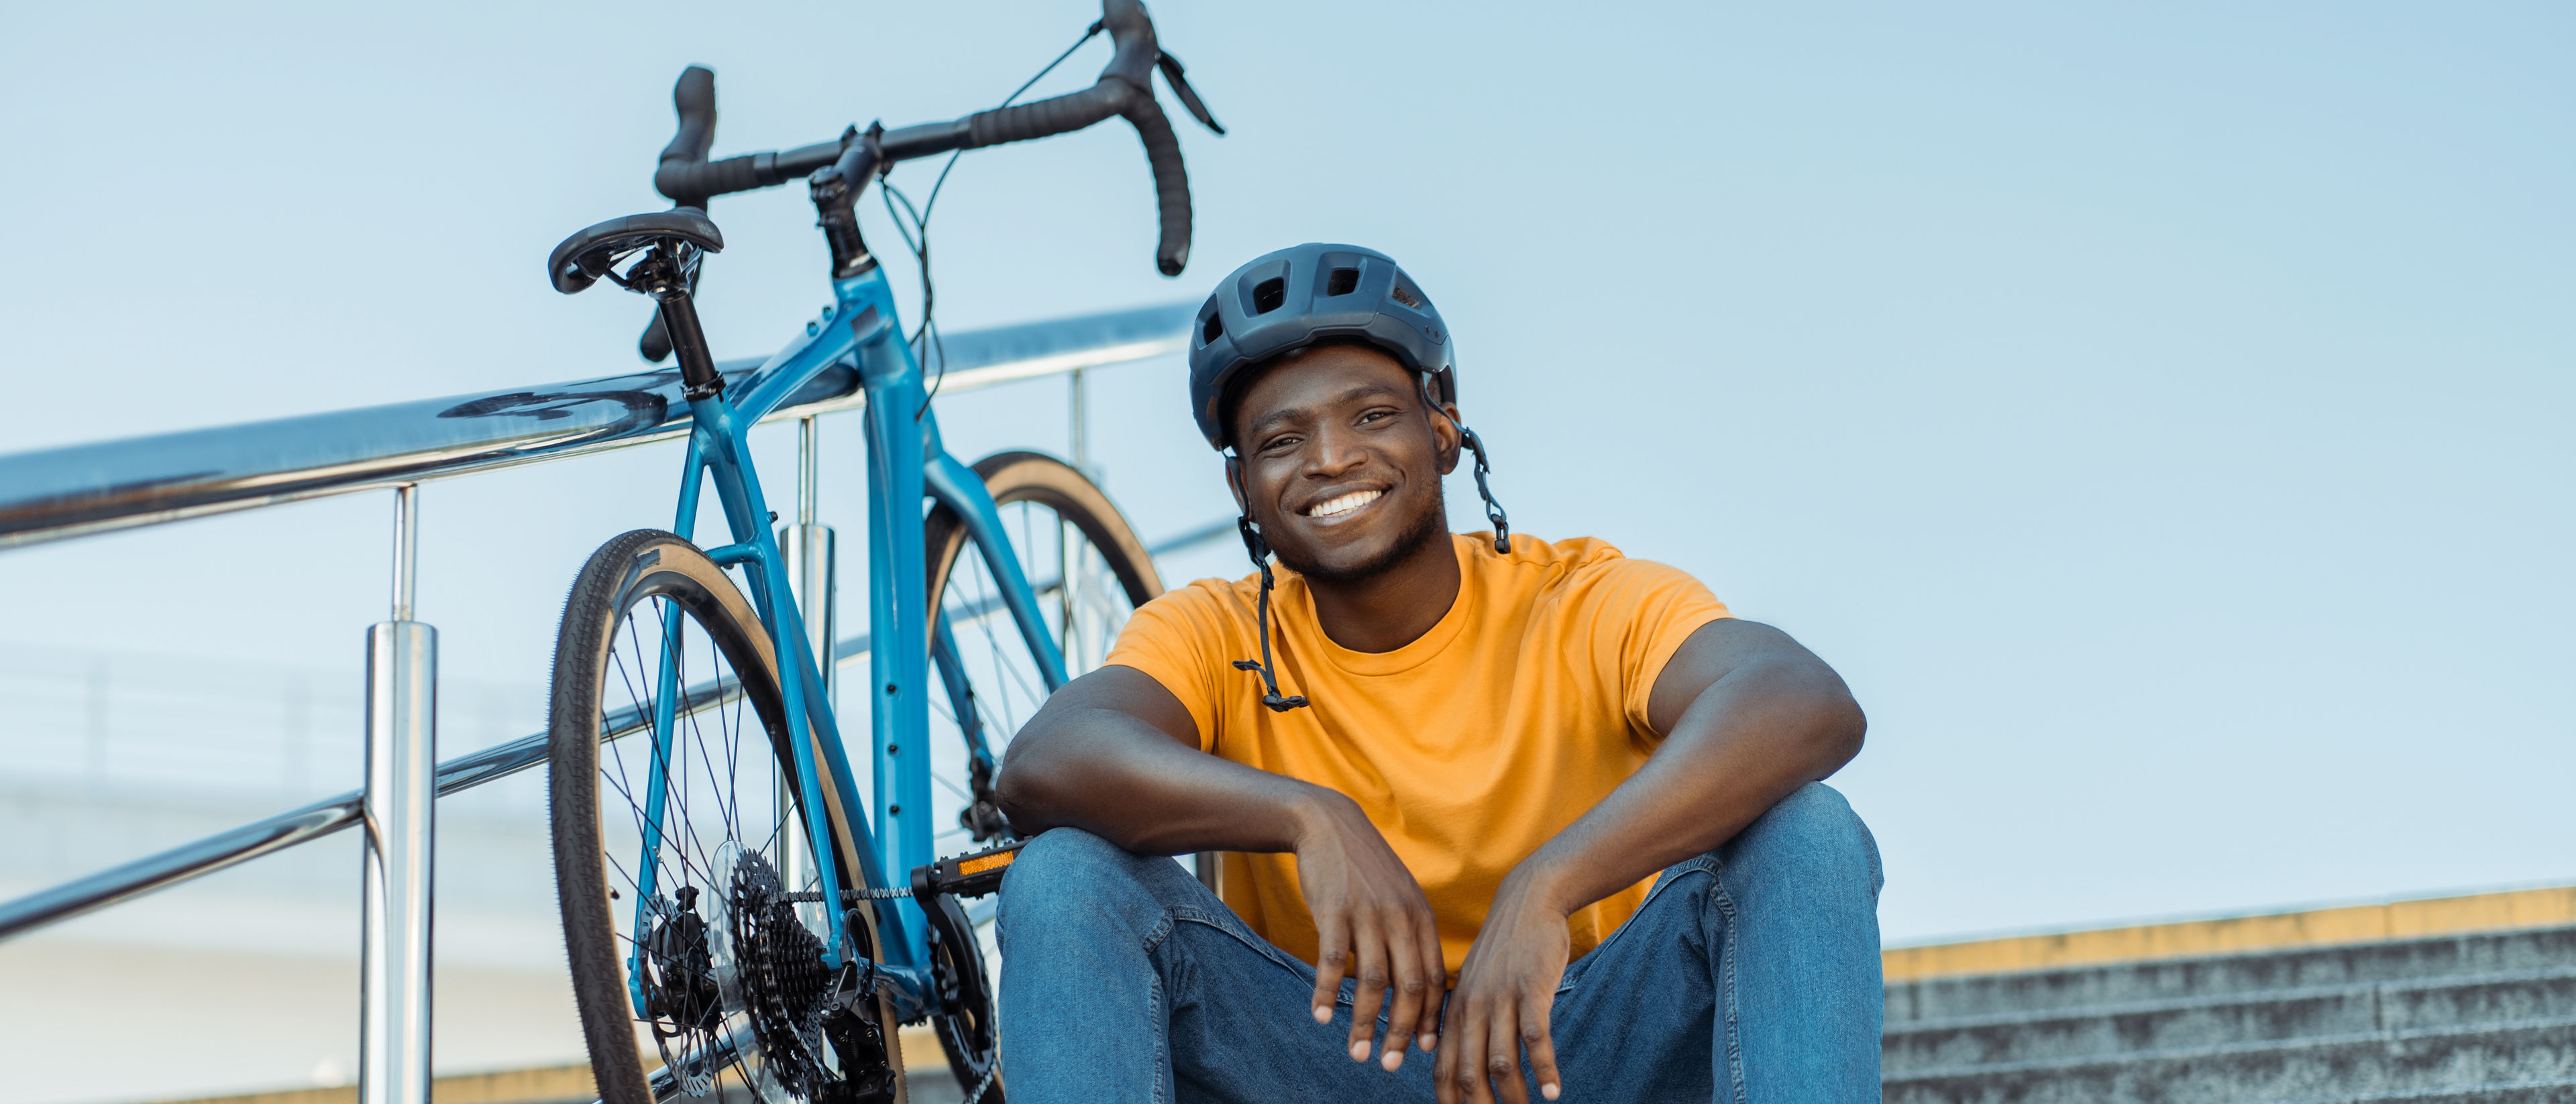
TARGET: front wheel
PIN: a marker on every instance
(693, 915)
(1090, 572)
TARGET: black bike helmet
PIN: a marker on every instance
(1291, 299)
(1288, 300)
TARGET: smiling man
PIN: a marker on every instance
(1539, 813)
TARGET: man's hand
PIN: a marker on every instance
(1373, 923)
(1505, 991)
(1747, 716)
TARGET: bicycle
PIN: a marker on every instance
(702, 919)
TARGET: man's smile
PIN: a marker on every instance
(1343, 505)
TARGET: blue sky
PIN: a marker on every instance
(2158, 413)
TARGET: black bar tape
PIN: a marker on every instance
(683, 181)
(694, 100)
(1171, 182)
(1055, 115)
(803, 160)
(924, 140)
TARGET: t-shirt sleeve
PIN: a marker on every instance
(1655, 607)
(1173, 640)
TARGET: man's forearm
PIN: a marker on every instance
(1105, 772)
(1749, 739)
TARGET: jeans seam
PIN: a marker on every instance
(1704, 864)
(1726, 989)
(1159, 1013)
(1158, 1008)
(1261, 946)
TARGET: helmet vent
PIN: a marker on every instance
(1268, 295)
(1214, 329)
(1405, 295)
(1343, 281)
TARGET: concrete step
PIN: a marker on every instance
(2425, 1063)
(2307, 968)
(2268, 1016)
(2554, 1091)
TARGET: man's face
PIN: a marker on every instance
(1341, 462)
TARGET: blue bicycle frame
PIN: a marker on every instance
(905, 462)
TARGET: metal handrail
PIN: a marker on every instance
(227, 849)
(79, 490)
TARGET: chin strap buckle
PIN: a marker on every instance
(1259, 550)
(1493, 510)
(1272, 699)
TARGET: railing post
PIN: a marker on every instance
(811, 561)
(402, 766)
(1070, 544)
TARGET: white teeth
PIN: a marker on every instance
(1343, 505)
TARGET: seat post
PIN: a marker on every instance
(688, 341)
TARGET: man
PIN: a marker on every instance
(1561, 787)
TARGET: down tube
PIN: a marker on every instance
(960, 489)
(898, 619)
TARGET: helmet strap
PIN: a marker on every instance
(1493, 510)
(1259, 549)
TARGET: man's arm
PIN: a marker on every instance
(1748, 716)
(1115, 754)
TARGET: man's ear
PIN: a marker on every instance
(1446, 438)
(1234, 485)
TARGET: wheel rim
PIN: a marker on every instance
(721, 970)
(1052, 536)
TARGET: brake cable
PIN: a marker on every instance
(917, 238)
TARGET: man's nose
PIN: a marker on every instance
(1336, 452)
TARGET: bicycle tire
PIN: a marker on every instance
(672, 576)
(1035, 480)
(1013, 477)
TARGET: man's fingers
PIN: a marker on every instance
(1503, 1056)
(1332, 955)
(1370, 968)
(1412, 992)
(1435, 971)
(1443, 1069)
(1466, 1054)
(1536, 1040)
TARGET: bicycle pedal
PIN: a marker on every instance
(969, 875)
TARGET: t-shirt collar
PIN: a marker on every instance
(1461, 611)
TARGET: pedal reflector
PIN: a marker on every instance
(972, 875)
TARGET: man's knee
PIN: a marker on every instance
(1812, 829)
(1069, 872)
(1062, 861)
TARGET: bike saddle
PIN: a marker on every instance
(584, 257)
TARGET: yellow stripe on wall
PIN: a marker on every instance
(921, 1054)
(2527, 908)
(549, 1083)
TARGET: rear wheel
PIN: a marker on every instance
(693, 915)
(1090, 572)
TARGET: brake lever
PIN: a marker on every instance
(1171, 67)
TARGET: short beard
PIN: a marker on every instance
(1427, 527)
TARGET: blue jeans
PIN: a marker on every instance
(1750, 974)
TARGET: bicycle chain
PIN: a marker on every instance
(850, 897)
(986, 1082)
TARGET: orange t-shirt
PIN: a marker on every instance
(1468, 748)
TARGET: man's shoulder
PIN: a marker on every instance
(1574, 560)
(1205, 605)
(1584, 571)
